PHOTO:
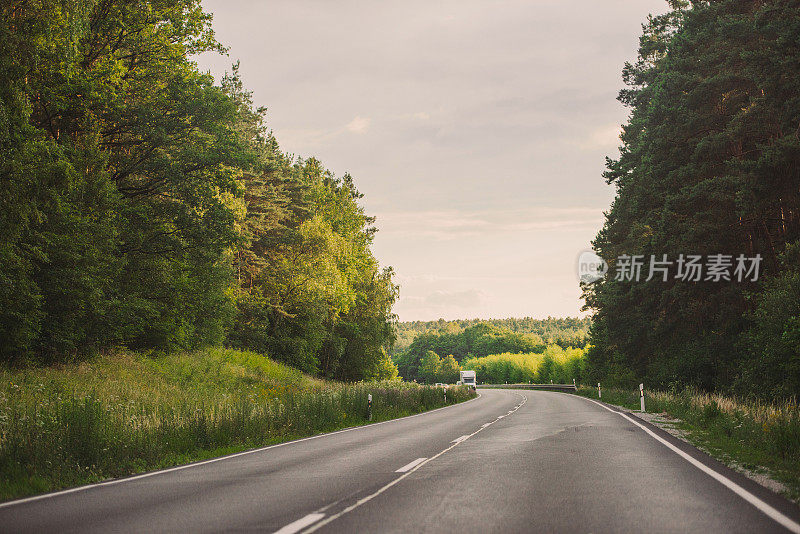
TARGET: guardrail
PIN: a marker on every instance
(548, 387)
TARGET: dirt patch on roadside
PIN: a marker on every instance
(665, 422)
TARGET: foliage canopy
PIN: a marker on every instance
(709, 164)
(141, 204)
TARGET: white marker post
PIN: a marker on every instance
(641, 395)
(599, 393)
(573, 384)
(369, 406)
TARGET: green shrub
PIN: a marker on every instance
(554, 363)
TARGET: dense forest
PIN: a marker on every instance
(709, 164)
(436, 353)
(566, 331)
(144, 205)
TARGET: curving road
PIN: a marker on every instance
(510, 461)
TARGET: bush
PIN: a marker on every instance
(554, 363)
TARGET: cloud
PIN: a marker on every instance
(485, 160)
(445, 225)
(605, 137)
(322, 137)
(443, 299)
(358, 124)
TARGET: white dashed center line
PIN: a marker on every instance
(411, 465)
(300, 524)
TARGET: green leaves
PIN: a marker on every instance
(308, 272)
(709, 165)
(146, 206)
(481, 339)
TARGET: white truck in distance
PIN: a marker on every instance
(468, 378)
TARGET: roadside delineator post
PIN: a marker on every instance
(573, 384)
(641, 395)
(369, 406)
(599, 392)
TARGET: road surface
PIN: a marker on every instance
(509, 461)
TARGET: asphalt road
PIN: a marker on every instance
(509, 461)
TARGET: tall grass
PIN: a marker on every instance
(123, 414)
(555, 363)
(752, 433)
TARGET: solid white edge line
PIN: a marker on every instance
(410, 465)
(368, 498)
(218, 459)
(460, 438)
(300, 524)
(765, 508)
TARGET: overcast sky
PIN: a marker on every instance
(476, 130)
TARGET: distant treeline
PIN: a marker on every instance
(709, 164)
(419, 360)
(566, 332)
(553, 364)
(142, 204)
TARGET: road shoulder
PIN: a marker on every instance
(762, 492)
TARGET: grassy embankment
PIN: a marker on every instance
(124, 413)
(759, 437)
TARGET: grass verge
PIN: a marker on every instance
(746, 435)
(125, 413)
